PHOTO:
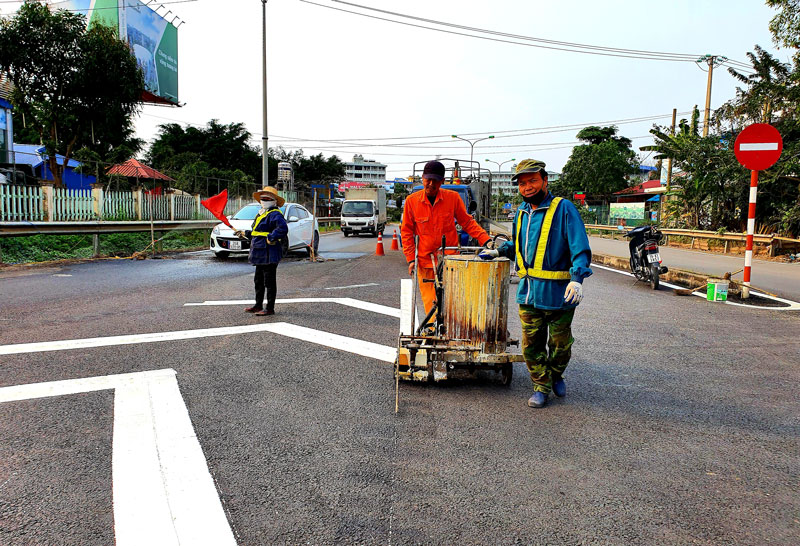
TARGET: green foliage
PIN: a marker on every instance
(70, 82)
(785, 25)
(42, 248)
(600, 166)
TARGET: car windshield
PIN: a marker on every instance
(250, 212)
(357, 208)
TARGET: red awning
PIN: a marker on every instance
(135, 169)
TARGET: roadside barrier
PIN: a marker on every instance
(379, 247)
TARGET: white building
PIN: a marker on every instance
(501, 181)
(364, 171)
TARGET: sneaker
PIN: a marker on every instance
(264, 313)
(538, 400)
(559, 387)
(253, 309)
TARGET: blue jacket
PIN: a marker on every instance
(567, 249)
(261, 252)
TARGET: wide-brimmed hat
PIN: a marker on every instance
(527, 166)
(269, 191)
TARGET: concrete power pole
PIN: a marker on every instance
(264, 137)
(712, 61)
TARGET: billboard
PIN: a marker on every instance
(152, 39)
(629, 211)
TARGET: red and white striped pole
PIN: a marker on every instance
(751, 227)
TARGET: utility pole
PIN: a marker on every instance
(264, 137)
(472, 149)
(669, 160)
(711, 61)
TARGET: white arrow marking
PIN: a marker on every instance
(162, 489)
(343, 343)
(757, 146)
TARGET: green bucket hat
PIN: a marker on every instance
(527, 166)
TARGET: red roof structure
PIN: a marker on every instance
(639, 189)
(133, 168)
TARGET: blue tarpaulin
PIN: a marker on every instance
(656, 198)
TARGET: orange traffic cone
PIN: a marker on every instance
(394, 242)
(379, 247)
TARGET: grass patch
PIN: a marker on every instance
(44, 248)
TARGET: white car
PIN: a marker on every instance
(303, 231)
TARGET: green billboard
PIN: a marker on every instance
(152, 39)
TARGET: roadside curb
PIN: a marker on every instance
(689, 278)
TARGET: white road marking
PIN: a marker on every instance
(351, 286)
(350, 302)
(61, 275)
(757, 146)
(162, 490)
(349, 344)
(406, 301)
(792, 305)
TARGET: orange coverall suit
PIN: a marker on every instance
(430, 222)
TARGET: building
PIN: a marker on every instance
(501, 181)
(363, 172)
(35, 159)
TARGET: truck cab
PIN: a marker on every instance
(364, 211)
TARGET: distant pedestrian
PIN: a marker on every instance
(266, 251)
(552, 254)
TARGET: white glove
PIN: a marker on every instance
(574, 292)
(488, 254)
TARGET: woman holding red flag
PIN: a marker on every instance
(266, 252)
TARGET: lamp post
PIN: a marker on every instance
(264, 137)
(499, 166)
(472, 147)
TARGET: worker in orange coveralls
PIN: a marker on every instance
(431, 214)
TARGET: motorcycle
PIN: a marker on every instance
(645, 258)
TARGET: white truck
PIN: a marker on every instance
(364, 211)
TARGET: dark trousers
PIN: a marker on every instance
(265, 279)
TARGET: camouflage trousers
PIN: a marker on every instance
(544, 367)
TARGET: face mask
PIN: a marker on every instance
(266, 205)
(535, 199)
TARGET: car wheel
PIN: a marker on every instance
(345, 233)
(221, 255)
(285, 246)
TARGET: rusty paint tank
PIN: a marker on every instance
(476, 301)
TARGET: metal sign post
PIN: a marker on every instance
(757, 147)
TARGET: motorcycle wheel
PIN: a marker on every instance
(654, 273)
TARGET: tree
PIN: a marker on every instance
(785, 25)
(600, 166)
(222, 146)
(74, 85)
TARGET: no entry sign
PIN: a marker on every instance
(758, 146)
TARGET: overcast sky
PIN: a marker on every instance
(335, 75)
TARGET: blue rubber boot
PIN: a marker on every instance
(559, 387)
(538, 400)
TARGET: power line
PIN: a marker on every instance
(576, 48)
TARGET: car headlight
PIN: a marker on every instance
(215, 231)
(371, 222)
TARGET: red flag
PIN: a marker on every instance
(216, 205)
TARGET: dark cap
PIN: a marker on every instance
(528, 166)
(433, 170)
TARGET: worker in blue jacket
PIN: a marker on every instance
(552, 256)
(265, 235)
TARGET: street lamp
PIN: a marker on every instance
(499, 166)
(264, 137)
(472, 148)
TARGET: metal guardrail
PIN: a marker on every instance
(774, 241)
(17, 229)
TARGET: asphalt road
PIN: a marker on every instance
(680, 424)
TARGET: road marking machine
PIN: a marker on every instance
(466, 329)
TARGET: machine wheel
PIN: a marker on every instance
(221, 255)
(654, 272)
(507, 374)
